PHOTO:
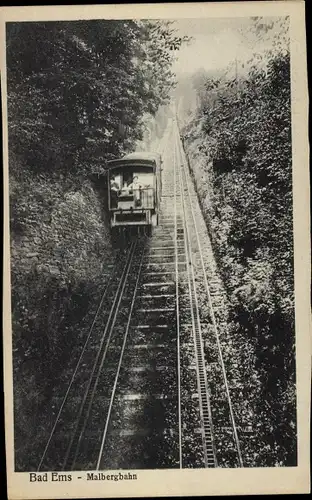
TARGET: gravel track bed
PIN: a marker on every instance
(137, 452)
(152, 336)
(148, 383)
(145, 451)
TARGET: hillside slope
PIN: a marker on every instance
(239, 150)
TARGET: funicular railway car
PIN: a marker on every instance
(134, 185)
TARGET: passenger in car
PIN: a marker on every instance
(115, 188)
(135, 184)
(136, 187)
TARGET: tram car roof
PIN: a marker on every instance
(139, 159)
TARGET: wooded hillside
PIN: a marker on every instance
(239, 147)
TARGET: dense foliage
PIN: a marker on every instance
(78, 90)
(239, 146)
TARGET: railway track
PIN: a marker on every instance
(202, 386)
(220, 402)
(143, 394)
(92, 354)
(144, 428)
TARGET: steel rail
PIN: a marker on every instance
(108, 328)
(104, 434)
(161, 149)
(240, 459)
(177, 309)
(76, 368)
(203, 391)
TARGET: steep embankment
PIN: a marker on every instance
(60, 248)
(239, 151)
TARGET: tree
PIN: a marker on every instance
(65, 110)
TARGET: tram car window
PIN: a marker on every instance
(134, 190)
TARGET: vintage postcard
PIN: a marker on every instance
(157, 336)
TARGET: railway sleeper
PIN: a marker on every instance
(145, 397)
(147, 368)
(161, 314)
(163, 302)
(156, 288)
(158, 277)
(148, 336)
(161, 328)
(152, 431)
(146, 346)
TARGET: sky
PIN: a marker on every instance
(216, 43)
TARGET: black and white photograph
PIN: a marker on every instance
(151, 242)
